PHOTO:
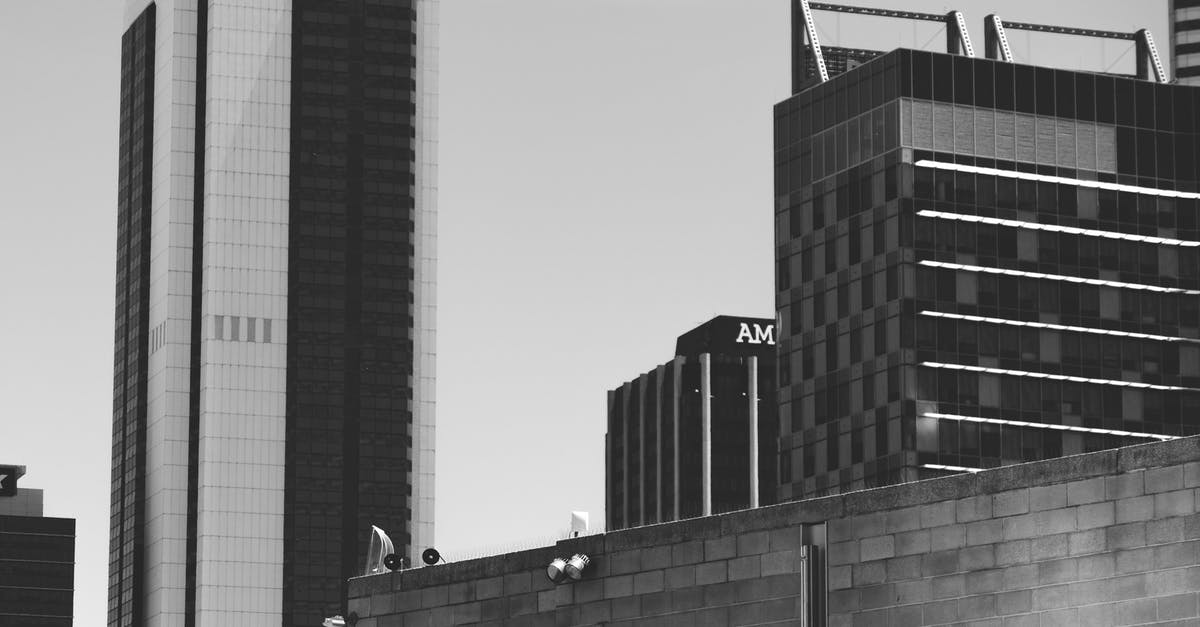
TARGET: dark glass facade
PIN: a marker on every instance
(37, 571)
(350, 263)
(981, 263)
(654, 444)
(126, 528)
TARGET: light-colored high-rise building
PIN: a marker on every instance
(275, 319)
(1185, 40)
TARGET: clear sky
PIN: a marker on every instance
(605, 185)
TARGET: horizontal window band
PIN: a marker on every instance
(1057, 277)
(951, 468)
(1042, 425)
(1058, 377)
(1059, 327)
(1055, 228)
(1045, 178)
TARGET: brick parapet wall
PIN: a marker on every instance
(1105, 538)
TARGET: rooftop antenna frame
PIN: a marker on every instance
(996, 43)
(806, 42)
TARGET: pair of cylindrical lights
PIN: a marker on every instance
(572, 569)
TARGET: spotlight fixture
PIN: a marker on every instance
(557, 569)
(431, 556)
(576, 565)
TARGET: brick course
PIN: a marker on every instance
(1099, 539)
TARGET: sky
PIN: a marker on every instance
(605, 185)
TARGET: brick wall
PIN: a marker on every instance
(1105, 538)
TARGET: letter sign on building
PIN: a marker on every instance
(761, 334)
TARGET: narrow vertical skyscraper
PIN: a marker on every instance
(1185, 40)
(275, 330)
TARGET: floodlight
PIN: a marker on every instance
(576, 565)
(557, 569)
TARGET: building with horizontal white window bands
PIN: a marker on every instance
(982, 263)
(274, 354)
(698, 434)
(1185, 41)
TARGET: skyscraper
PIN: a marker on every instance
(37, 558)
(1184, 17)
(683, 438)
(982, 263)
(274, 353)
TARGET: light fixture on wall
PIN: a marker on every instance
(560, 569)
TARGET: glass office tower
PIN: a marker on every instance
(1184, 18)
(679, 437)
(982, 263)
(274, 354)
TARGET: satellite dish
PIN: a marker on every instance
(579, 523)
(378, 551)
(431, 556)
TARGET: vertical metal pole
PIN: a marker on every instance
(752, 395)
(658, 447)
(675, 433)
(706, 433)
(643, 515)
(806, 609)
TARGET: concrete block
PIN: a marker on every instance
(905, 616)
(1018, 527)
(1097, 566)
(1010, 503)
(878, 547)
(586, 591)
(980, 606)
(1178, 554)
(1136, 611)
(940, 612)
(1171, 581)
(873, 597)
(1085, 542)
(1015, 602)
(870, 573)
(939, 563)
(679, 577)
(1055, 520)
(843, 601)
(985, 532)
(626, 608)
(436, 596)
(1164, 479)
(747, 567)
(1067, 617)
(947, 586)
(1019, 577)
(1047, 497)
(937, 514)
(904, 568)
(1051, 597)
(1174, 503)
(522, 604)
(947, 537)
(656, 603)
(1091, 592)
(871, 618)
(984, 581)
(1135, 508)
(656, 557)
(843, 553)
(1191, 527)
(595, 613)
(649, 582)
(1125, 485)
(905, 519)
(866, 525)
(1179, 606)
(1014, 552)
(780, 563)
(489, 588)
(912, 542)
(712, 572)
(754, 543)
(491, 609)
(687, 553)
(1164, 530)
(517, 583)
(1049, 547)
(973, 508)
(460, 592)
(977, 557)
(720, 548)
(1127, 536)
(1135, 560)
(464, 613)
(840, 577)
(788, 539)
(1058, 571)
(1022, 620)
(918, 591)
(1191, 475)
(547, 601)
(1128, 587)
(1085, 491)
(618, 586)
(840, 530)
(1094, 515)
(760, 612)
(687, 599)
